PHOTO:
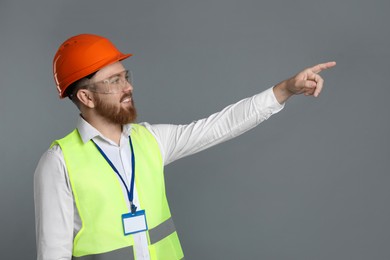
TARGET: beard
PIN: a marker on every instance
(116, 114)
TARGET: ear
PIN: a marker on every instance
(86, 98)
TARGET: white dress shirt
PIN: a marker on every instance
(56, 215)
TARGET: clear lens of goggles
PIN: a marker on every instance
(113, 84)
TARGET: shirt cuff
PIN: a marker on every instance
(267, 100)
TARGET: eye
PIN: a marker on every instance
(127, 78)
(115, 80)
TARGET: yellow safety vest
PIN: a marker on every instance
(100, 201)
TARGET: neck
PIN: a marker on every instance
(108, 129)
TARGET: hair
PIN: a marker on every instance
(73, 88)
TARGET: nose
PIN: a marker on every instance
(128, 87)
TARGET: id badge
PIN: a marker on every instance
(134, 223)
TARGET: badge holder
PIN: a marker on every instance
(134, 222)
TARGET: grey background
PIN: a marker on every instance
(310, 183)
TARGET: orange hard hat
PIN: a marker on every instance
(80, 56)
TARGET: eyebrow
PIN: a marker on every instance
(112, 76)
(117, 74)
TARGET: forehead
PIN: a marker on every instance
(109, 70)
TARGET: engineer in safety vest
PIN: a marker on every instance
(99, 191)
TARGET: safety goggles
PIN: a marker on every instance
(112, 85)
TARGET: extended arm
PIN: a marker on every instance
(177, 141)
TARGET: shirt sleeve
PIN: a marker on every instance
(54, 211)
(177, 141)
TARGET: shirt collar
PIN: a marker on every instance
(88, 132)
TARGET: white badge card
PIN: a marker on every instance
(134, 223)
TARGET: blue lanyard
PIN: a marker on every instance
(130, 193)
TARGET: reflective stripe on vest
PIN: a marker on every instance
(161, 231)
(96, 187)
(120, 254)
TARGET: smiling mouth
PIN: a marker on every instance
(126, 99)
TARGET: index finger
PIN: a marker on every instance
(323, 66)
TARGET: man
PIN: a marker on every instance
(99, 191)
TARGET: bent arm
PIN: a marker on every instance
(54, 211)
